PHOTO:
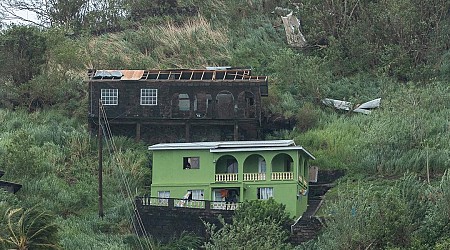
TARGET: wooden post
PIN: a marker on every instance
(428, 167)
(100, 161)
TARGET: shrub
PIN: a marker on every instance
(264, 221)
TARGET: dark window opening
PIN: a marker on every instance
(232, 166)
(191, 162)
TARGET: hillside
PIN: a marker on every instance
(396, 191)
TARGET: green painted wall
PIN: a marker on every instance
(252, 162)
(168, 168)
(169, 175)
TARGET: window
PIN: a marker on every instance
(110, 96)
(191, 162)
(163, 197)
(196, 194)
(184, 103)
(163, 194)
(149, 96)
(265, 193)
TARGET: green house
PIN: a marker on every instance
(226, 173)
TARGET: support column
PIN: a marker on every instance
(236, 131)
(188, 132)
(138, 131)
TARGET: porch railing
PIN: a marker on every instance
(226, 177)
(184, 203)
(302, 180)
(254, 176)
(282, 176)
(221, 205)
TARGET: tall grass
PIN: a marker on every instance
(55, 160)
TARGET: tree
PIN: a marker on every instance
(28, 229)
(72, 15)
(22, 53)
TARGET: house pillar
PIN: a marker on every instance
(188, 132)
(236, 131)
(138, 131)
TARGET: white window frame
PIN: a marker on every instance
(197, 194)
(149, 97)
(109, 96)
(163, 198)
(163, 194)
(265, 193)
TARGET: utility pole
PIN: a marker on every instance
(100, 161)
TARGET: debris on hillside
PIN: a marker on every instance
(364, 108)
(292, 28)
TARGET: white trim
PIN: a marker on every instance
(109, 96)
(234, 146)
(262, 149)
(226, 144)
(150, 98)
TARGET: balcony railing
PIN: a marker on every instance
(221, 205)
(184, 203)
(302, 180)
(226, 177)
(254, 176)
(282, 176)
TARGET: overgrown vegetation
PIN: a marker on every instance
(357, 51)
(256, 225)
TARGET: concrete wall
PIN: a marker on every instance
(164, 223)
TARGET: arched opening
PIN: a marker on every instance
(225, 105)
(180, 105)
(226, 169)
(254, 168)
(282, 167)
(246, 105)
(202, 105)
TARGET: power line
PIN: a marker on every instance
(114, 154)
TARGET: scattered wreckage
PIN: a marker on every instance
(365, 108)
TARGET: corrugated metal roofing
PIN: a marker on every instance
(233, 146)
(223, 144)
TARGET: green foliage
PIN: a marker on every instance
(303, 76)
(264, 221)
(393, 38)
(269, 211)
(357, 51)
(333, 144)
(436, 225)
(28, 229)
(185, 241)
(410, 132)
(367, 216)
(22, 53)
(57, 160)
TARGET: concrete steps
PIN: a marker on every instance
(309, 226)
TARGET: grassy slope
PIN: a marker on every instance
(55, 158)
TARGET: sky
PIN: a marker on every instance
(25, 14)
